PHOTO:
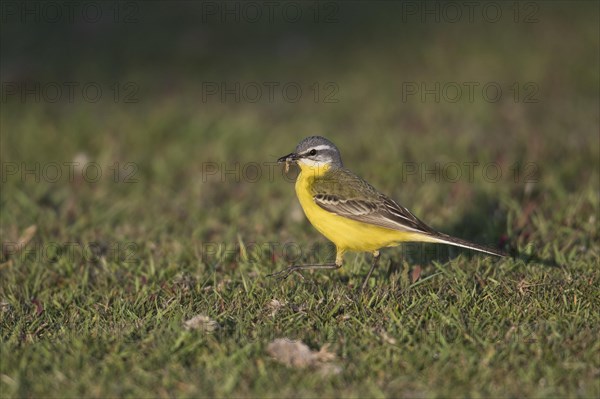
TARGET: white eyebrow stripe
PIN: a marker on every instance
(322, 147)
(318, 148)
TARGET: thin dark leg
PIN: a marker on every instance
(375, 262)
(286, 272)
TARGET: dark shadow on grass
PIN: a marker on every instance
(532, 258)
(484, 223)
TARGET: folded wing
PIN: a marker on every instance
(345, 194)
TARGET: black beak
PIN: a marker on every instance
(292, 157)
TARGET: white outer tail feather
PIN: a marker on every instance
(446, 239)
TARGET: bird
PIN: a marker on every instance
(350, 212)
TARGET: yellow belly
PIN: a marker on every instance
(347, 234)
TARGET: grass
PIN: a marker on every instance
(94, 305)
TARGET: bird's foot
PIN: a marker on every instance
(283, 274)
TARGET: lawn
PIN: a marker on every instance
(139, 190)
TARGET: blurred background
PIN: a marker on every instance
(153, 117)
(143, 135)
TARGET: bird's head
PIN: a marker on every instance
(314, 153)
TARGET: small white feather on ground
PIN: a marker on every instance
(273, 306)
(201, 322)
(297, 355)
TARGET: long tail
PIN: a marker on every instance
(446, 239)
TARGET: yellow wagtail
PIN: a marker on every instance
(350, 212)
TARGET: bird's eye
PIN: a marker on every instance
(313, 152)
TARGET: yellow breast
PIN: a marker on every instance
(346, 234)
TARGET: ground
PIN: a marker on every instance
(125, 217)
